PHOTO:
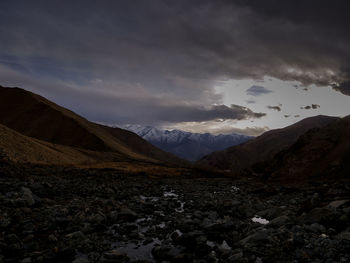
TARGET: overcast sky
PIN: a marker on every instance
(199, 65)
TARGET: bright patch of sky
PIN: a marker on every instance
(289, 96)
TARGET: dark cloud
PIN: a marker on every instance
(257, 91)
(309, 107)
(171, 50)
(343, 88)
(127, 107)
(277, 108)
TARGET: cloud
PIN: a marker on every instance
(122, 107)
(227, 127)
(251, 131)
(257, 91)
(343, 87)
(150, 56)
(309, 107)
(277, 108)
(251, 101)
(141, 39)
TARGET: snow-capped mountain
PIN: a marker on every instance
(187, 145)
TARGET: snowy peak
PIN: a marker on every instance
(190, 146)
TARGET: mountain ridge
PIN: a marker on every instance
(263, 147)
(320, 153)
(187, 145)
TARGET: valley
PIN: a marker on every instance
(57, 214)
(106, 195)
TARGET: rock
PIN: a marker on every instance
(189, 240)
(224, 249)
(114, 256)
(76, 239)
(279, 221)
(259, 237)
(344, 236)
(80, 260)
(96, 218)
(52, 238)
(28, 196)
(237, 258)
(324, 216)
(315, 199)
(338, 203)
(270, 213)
(5, 220)
(127, 214)
(317, 228)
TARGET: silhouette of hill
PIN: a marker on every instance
(264, 147)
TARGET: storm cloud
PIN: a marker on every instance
(158, 60)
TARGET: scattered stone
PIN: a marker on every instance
(28, 196)
(104, 216)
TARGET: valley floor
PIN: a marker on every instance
(55, 214)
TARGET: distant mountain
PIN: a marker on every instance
(264, 147)
(187, 145)
(321, 153)
(36, 117)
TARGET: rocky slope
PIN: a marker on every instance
(187, 145)
(264, 147)
(55, 214)
(320, 153)
(35, 116)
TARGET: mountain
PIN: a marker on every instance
(263, 147)
(321, 153)
(187, 145)
(36, 117)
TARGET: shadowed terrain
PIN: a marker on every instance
(264, 147)
(320, 154)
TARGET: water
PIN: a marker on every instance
(260, 220)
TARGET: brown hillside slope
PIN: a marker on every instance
(264, 147)
(37, 117)
(320, 153)
(20, 148)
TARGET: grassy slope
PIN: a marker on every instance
(37, 117)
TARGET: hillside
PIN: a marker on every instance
(264, 147)
(187, 145)
(320, 153)
(20, 148)
(37, 117)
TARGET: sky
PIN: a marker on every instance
(215, 66)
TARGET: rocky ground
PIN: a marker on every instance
(58, 214)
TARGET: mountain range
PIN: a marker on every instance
(36, 130)
(187, 145)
